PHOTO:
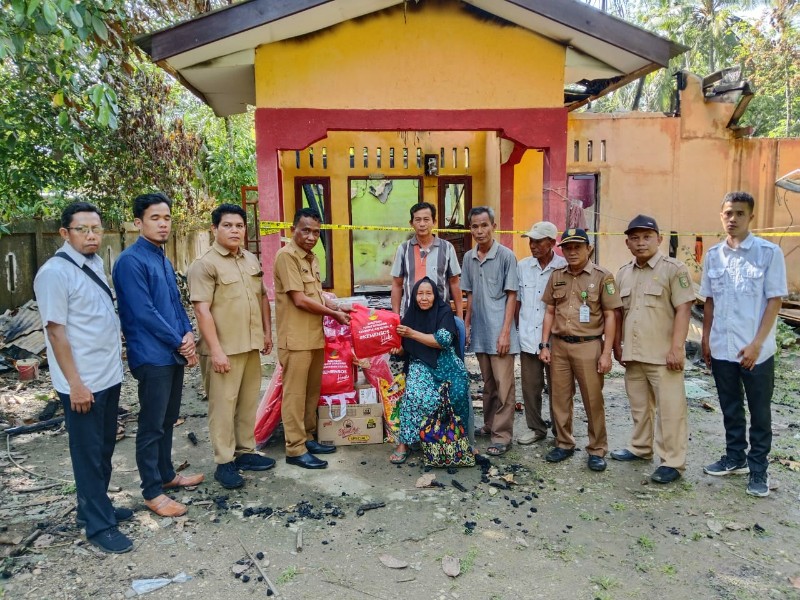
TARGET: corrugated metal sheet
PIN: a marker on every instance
(19, 323)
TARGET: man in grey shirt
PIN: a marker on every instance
(489, 277)
(85, 356)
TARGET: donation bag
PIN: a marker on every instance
(374, 331)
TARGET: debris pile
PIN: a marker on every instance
(21, 336)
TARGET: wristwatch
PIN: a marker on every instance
(544, 345)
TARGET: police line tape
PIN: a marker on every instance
(270, 227)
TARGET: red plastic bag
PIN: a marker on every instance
(337, 370)
(268, 414)
(374, 331)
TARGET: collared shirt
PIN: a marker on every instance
(439, 262)
(232, 285)
(150, 310)
(650, 294)
(564, 291)
(741, 281)
(532, 281)
(488, 280)
(297, 271)
(67, 296)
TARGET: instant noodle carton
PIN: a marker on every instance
(350, 425)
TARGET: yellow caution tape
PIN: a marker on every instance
(270, 227)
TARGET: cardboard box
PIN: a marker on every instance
(366, 394)
(363, 424)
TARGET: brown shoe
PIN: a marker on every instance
(184, 481)
(164, 506)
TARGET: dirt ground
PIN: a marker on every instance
(558, 532)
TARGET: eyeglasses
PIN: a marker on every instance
(83, 230)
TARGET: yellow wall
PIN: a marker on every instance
(434, 56)
(677, 169)
(528, 201)
(337, 146)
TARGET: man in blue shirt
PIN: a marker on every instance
(160, 342)
(744, 278)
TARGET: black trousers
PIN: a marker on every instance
(160, 391)
(92, 437)
(733, 383)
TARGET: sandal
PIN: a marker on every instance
(398, 458)
(497, 449)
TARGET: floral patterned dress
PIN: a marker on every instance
(422, 389)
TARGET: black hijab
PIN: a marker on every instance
(438, 316)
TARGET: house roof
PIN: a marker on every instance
(214, 53)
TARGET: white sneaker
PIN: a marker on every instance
(530, 437)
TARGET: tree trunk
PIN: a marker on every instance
(637, 98)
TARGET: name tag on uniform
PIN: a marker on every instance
(583, 313)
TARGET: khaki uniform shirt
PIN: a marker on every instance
(649, 296)
(297, 271)
(232, 284)
(564, 292)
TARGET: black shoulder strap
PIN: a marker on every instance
(91, 274)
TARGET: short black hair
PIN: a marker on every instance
(739, 197)
(480, 210)
(76, 207)
(227, 209)
(143, 202)
(306, 212)
(422, 206)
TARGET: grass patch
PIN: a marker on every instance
(646, 543)
(468, 562)
(604, 582)
(669, 569)
(588, 517)
(287, 575)
(618, 506)
(697, 536)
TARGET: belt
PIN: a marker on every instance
(577, 339)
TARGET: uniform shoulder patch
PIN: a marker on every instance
(610, 288)
(683, 279)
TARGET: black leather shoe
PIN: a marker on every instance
(597, 463)
(625, 455)
(665, 475)
(317, 448)
(307, 461)
(558, 454)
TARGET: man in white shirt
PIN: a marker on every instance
(743, 281)
(84, 353)
(533, 274)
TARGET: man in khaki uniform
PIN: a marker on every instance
(299, 308)
(581, 298)
(234, 320)
(657, 296)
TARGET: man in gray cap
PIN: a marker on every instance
(533, 274)
(657, 297)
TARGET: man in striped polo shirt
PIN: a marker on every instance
(425, 255)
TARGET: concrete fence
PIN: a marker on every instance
(32, 242)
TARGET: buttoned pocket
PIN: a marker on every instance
(310, 283)
(717, 279)
(625, 295)
(256, 274)
(652, 296)
(559, 293)
(229, 287)
(751, 281)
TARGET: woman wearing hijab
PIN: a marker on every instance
(430, 344)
